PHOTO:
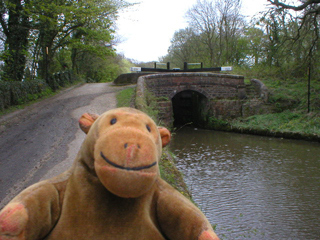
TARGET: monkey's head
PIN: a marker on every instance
(127, 147)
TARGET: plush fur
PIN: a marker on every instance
(112, 191)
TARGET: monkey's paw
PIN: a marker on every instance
(13, 221)
(208, 235)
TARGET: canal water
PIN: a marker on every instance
(252, 187)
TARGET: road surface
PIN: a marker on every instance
(43, 139)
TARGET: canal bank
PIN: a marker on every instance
(289, 125)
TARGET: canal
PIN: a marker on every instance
(252, 187)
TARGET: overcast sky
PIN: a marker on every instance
(146, 29)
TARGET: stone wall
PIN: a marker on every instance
(260, 89)
(128, 78)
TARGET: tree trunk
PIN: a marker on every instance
(16, 43)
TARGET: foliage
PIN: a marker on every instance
(15, 28)
(214, 123)
(44, 37)
(102, 69)
(14, 93)
(61, 79)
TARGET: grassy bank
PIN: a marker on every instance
(287, 124)
(290, 118)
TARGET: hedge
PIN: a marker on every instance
(61, 79)
(14, 93)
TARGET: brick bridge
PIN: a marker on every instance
(196, 97)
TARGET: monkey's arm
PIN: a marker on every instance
(31, 214)
(179, 218)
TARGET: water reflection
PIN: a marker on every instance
(252, 187)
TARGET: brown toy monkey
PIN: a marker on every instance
(112, 191)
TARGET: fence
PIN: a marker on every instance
(185, 68)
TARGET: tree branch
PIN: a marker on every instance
(295, 8)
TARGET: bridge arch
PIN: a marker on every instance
(190, 88)
(190, 107)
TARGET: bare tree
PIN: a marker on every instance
(217, 23)
(230, 22)
(309, 19)
(304, 5)
(202, 19)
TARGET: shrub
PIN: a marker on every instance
(14, 93)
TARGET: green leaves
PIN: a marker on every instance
(51, 26)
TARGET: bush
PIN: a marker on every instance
(61, 79)
(14, 93)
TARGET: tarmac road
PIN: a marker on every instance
(43, 139)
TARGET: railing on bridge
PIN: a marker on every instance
(185, 68)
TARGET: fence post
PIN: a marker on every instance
(185, 67)
(168, 65)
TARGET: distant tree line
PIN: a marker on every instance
(41, 37)
(283, 40)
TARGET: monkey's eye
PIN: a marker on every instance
(113, 121)
(148, 128)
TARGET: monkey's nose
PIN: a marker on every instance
(132, 151)
(136, 145)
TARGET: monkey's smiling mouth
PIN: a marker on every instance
(127, 168)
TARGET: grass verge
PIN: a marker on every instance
(287, 124)
(125, 97)
(286, 121)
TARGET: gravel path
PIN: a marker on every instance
(43, 139)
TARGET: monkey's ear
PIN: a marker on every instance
(86, 121)
(165, 136)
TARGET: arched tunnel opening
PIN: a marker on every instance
(190, 107)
